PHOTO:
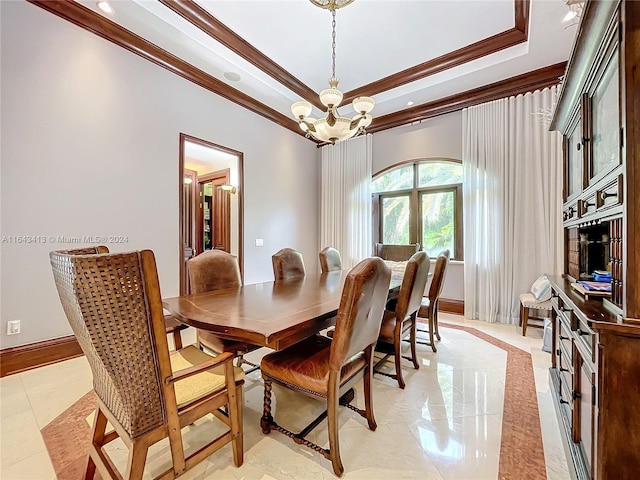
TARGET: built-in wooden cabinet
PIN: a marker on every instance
(595, 374)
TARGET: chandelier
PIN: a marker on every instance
(333, 128)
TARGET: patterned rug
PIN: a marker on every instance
(521, 451)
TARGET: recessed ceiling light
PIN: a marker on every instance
(409, 103)
(105, 7)
(232, 76)
(571, 14)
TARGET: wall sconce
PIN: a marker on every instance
(187, 180)
(228, 188)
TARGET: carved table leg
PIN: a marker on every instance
(267, 419)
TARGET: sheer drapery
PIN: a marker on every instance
(512, 192)
(345, 199)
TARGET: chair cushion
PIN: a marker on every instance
(200, 384)
(388, 327)
(541, 289)
(529, 301)
(306, 365)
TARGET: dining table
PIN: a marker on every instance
(274, 314)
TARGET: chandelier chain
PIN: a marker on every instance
(333, 43)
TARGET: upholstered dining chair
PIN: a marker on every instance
(288, 264)
(395, 253)
(330, 260)
(113, 304)
(218, 270)
(322, 368)
(171, 325)
(429, 307)
(399, 323)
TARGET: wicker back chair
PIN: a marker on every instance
(288, 264)
(113, 304)
(429, 307)
(330, 260)
(400, 322)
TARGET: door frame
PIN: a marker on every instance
(239, 192)
(202, 179)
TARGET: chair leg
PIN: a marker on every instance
(177, 339)
(236, 421)
(267, 419)
(99, 428)
(332, 420)
(368, 394)
(435, 322)
(137, 459)
(412, 341)
(525, 320)
(432, 323)
(398, 358)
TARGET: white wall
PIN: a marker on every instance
(436, 137)
(90, 145)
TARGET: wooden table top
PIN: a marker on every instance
(271, 314)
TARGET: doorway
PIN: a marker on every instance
(210, 201)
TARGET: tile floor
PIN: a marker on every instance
(447, 423)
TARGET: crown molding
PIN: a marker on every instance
(105, 28)
(520, 84)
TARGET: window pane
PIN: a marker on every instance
(439, 173)
(398, 179)
(438, 226)
(395, 220)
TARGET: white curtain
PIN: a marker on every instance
(512, 202)
(345, 199)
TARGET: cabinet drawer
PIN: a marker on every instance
(564, 339)
(587, 206)
(586, 337)
(611, 194)
(570, 211)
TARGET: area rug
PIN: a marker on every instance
(521, 450)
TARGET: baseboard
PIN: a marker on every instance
(451, 305)
(33, 355)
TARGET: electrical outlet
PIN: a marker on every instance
(259, 242)
(13, 327)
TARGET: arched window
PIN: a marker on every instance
(420, 202)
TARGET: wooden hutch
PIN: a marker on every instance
(595, 373)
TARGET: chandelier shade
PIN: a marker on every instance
(333, 128)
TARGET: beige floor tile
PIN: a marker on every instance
(13, 397)
(20, 438)
(35, 467)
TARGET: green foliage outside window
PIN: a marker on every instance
(437, 206)
(438, 222)
(396, 220)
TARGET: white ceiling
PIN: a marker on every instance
(375, 38)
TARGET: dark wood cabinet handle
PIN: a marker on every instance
(576, 395)
(563, 338)
(588, 204)
(582, 332)
(565, 215)
(564, 369)
(562, 400)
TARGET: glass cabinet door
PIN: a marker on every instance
(606, 122)
(575, 161)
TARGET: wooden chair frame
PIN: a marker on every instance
(172, 418)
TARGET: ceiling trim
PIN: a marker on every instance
(206, 22)
(89, 20)
(520, 84)
(202, 19)
(105, 28)
(509, 38)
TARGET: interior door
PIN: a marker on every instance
(214, 218)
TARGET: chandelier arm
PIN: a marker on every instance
(355, 122)
(331, 118)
